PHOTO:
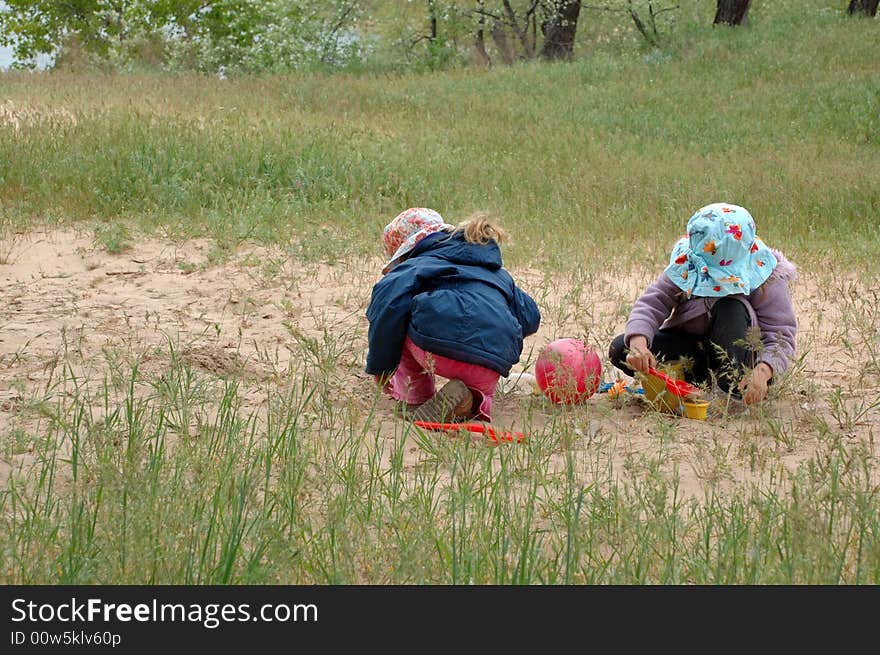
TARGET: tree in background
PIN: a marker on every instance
(206, 35)
(732, 12)
(34, 27)
(434, 42)
(526, 29)
(863, 7)
(559, 29)
(480, 35)
(513, 27)
(648, 29)
(281, 35)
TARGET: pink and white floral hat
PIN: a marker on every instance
(408, 228)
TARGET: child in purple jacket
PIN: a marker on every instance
(722, 303)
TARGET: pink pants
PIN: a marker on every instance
(413, 381)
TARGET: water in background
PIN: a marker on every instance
(7, 56)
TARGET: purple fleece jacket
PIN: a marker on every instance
(664, 305)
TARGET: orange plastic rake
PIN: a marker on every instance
(476, 428)
(678, 388)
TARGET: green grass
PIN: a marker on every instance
(161, 479)
(153, 471)
(781, 117)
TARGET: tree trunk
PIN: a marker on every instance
(480, 40)
(640, 26)
(499, 35)
(560, 29)
(732, 12)
(432, 20)
(522, 32)
(863, 7)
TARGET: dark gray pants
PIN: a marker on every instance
(722, 353)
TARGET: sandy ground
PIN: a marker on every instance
(261, 314)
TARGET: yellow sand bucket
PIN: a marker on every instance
(696, 409)
(656, 392)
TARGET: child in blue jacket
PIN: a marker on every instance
(447, 307)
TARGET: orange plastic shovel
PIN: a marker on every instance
(476, 428)
(678, 388)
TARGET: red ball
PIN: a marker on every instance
(567, 371)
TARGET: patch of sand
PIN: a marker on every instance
(261, 313)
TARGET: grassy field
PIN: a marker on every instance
(131, 461)
(622, 145)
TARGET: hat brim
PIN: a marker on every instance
(412, 241)
(698, 277)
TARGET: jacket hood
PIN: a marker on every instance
(785, 270)
(455, 249)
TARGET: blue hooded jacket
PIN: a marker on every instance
(454, 299)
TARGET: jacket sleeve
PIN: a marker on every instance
(778, 324)
(652, 308)
(388, 314)
(526, 311)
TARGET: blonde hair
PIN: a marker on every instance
(481, 229)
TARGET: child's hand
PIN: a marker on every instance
(640, 358)
(755, 385)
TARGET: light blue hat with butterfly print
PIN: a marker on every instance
(720, 255)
